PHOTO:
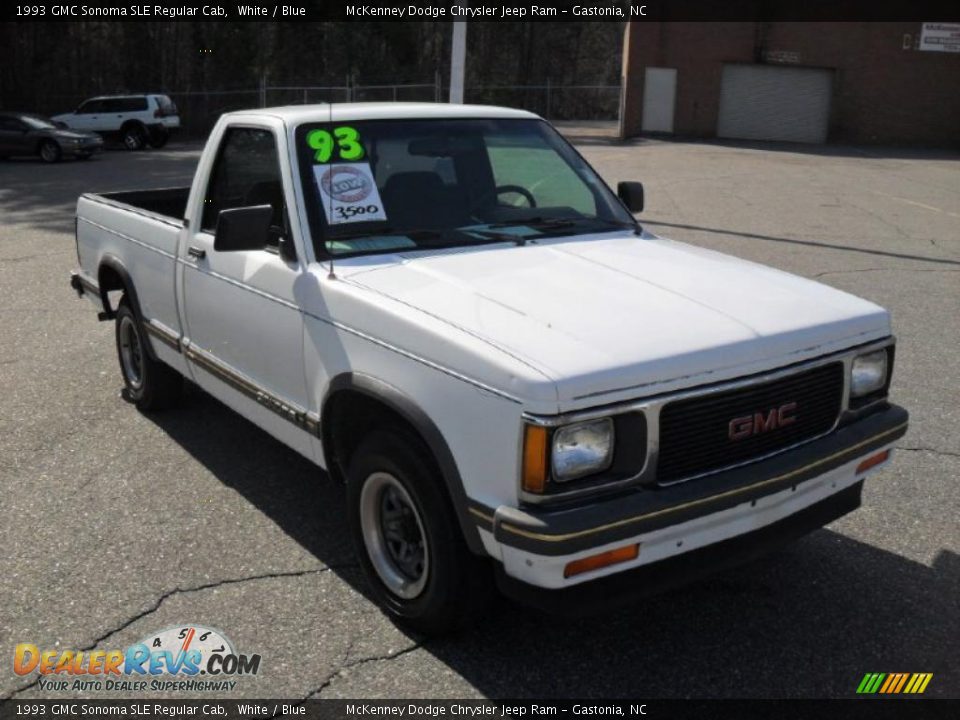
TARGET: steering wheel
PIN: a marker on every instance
(500, 190)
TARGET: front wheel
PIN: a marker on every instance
(134, 137)
(407, 537)
(50, 151)
(148, 383)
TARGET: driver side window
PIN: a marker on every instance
(246, 173)
(90, 107)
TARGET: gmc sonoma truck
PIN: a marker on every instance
(449, 311)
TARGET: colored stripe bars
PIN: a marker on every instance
(894, 683)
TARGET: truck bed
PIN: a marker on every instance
(135, 236)
(167, 202)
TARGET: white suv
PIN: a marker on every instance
(136, 119)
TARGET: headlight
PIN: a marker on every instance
(582, 449)
(868, 373)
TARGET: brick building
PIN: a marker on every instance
(808, 82)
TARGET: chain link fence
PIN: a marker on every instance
(553, 102)
(199, 110)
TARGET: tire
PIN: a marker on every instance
(394, 497)
(50, 152)
(158, 138)
(149, 384)
(134, 137)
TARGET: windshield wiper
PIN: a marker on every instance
(425, 238)
(633, 227)
(536, 222)
(547, 223)
(412, 233)
(493, 236)
(544, 225)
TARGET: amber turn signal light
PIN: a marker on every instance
(595, 562)
(873, 461)
(534, 459)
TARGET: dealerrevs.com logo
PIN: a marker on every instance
(187, 658)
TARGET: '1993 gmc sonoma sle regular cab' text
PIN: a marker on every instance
(447, 309)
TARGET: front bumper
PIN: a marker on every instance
(536, 544)
(84, 147)
(622, 588)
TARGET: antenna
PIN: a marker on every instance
(331, 275)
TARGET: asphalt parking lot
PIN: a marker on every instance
(117, 524)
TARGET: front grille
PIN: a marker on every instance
(695, 433)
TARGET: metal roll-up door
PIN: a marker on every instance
(770, 102)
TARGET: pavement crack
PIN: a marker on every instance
(153, 607)
(881, 269)
(357, 663)
(934, 451)
(901, 233)
(34, 256)
(847, 272)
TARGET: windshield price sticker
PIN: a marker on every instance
(348, 193)
(344, 140)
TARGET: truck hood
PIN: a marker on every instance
(624, 315)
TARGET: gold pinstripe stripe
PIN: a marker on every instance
(162, 335)
(271, 402)
(700, 501)
(482, 515)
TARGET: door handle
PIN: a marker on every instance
(196, 252)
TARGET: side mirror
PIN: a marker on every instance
(244, 228)
(632, 195)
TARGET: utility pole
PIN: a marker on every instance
(458, 59)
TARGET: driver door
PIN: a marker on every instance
(244, 328)
(86, 116)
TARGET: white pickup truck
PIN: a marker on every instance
(447, 309)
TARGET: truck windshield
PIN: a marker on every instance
(381, 186)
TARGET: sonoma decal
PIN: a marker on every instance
(172, 659)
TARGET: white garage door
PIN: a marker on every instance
(768, 102)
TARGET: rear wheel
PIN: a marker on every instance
(407, 537)
(149, 384)
(158, 138)
(134, 137)
(50, 151)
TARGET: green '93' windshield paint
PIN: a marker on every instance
(345, 140)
